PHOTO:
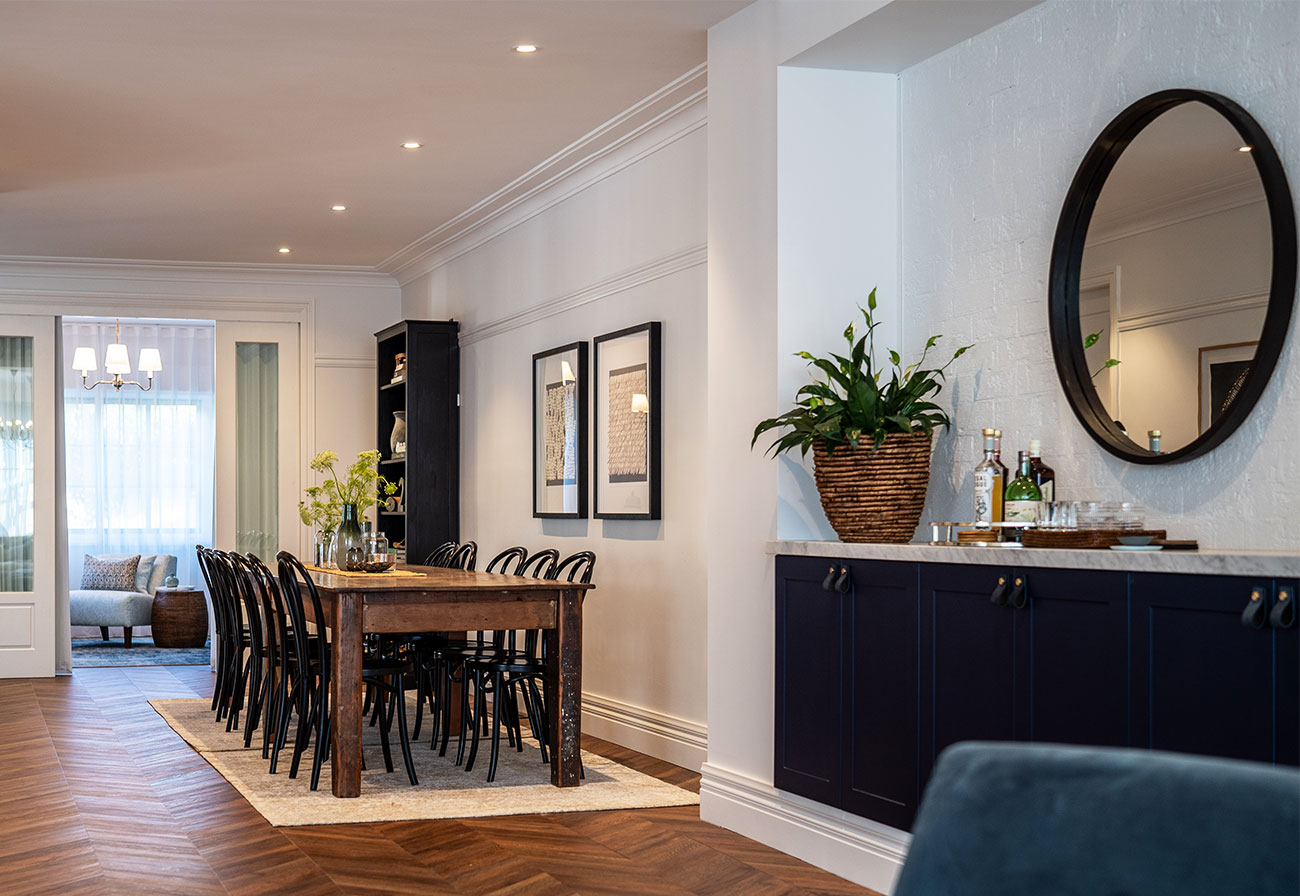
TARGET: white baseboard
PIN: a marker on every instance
(665, 737)
(865, 852)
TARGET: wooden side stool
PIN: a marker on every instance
(179, 618)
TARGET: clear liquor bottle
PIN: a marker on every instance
(989, 484)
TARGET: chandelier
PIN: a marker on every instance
(117, 363)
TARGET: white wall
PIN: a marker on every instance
(745, 321)
(993, 131)
(618, 243)
(339, 313)
(837, 239)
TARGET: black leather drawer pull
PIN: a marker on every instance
(844, 582)
(1283, 615)
(999, 596)
(1256, 612)
(1019, 595)
(828, 583)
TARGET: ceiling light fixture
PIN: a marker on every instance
(411, 144)
(116, 362)
(338, 208)
(1244, 149)
(525, 48)
(284, 250)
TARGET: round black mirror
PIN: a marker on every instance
(1173, 276)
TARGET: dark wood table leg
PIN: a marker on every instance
(564, 680)
(345, 696)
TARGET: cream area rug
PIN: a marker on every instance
(522, 785)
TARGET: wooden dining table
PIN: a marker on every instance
(451, 600)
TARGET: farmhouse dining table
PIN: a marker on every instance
(451, 600)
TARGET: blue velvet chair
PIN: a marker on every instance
(1045, 820)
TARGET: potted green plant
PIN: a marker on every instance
(870, 439)
(350, 495)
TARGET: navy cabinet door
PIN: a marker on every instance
(968, 659)
(810, 636)
(1073, 648)
(1204, 683)
(881, 774)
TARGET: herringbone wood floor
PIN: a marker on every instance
(99, 796)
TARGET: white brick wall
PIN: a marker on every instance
(992, 132)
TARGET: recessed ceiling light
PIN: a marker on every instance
(284, 250)
(1244, 149)
(338, 208)
(525, 48)
(411, 144)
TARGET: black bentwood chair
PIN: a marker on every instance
(386, 675)
(511, 675)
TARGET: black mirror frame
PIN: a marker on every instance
(1067, 257)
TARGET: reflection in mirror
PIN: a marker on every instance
(1175, 276)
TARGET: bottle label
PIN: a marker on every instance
(1021, 511)
(984, 485)
(1048, 490)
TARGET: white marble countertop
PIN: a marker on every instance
(1274, 564)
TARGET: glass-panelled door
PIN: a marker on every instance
(27, 459)
(258, 414)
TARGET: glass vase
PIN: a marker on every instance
(324, 550)
(350, 553)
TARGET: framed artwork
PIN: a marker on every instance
(629, 419)
(560, 432)
(1222, 371)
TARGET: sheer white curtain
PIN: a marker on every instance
(140, 464)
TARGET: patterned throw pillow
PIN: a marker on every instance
(109, 575)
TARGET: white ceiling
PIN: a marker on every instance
(219, 131)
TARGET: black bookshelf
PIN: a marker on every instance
(430, 395)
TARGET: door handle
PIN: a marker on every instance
(999, 596)
(828, 583)
(1283, 615)
(1255, 612)
(1019, 595)
(844, 582)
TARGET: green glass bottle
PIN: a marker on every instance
(1022, 496)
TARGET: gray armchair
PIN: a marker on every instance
(127, 609)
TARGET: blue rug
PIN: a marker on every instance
(88, 652)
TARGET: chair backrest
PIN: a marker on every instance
(539, 565)
(463, 557)
(242, 575)
(274, 616)
(1030, 819)
(575, 568)
(507, 562)
(226, 618)
(294, 578)
(441, 554)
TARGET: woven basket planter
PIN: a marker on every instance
(875, 496)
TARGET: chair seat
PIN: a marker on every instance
(125, 608)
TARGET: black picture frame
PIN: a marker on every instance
(1067, 257)
(628, 460)
(560, 455)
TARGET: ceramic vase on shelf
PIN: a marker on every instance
(397, 441)
(350, 553)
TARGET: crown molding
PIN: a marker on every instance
(189, 271)
(1198, 201)
(622, 141)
